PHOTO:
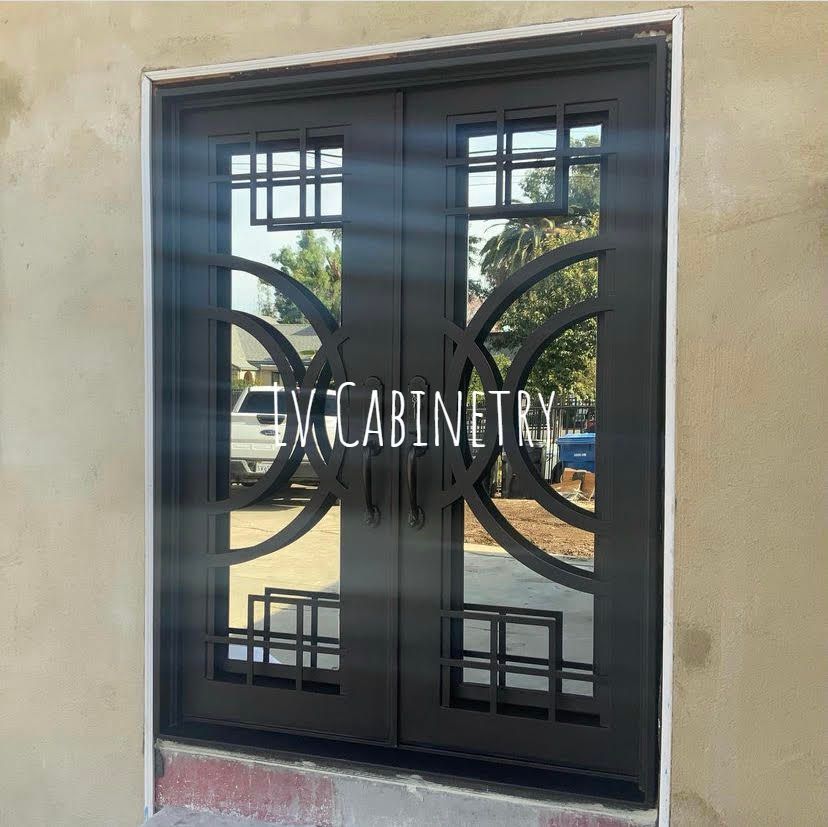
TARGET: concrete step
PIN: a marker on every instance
(296, 792)
(185, 817)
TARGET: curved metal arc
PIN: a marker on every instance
(466, 475)
(526, 277)
(294, 381)
(303, 298)
(311, 513)
(331, 337)
(284, 354)
(518, 371)
(286, 460)
(294, 375)
(528, 353)
(526, 552)
(327, 470)
(469, 342)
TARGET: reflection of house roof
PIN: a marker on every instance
(247, 353)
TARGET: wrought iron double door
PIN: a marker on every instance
(492, 599)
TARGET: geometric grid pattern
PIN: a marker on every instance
(499, 663)
(491, 159)
(256, 650)
(296, 181)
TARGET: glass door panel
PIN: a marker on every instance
(522, 621)
(289, 606)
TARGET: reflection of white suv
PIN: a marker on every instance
(253, 433)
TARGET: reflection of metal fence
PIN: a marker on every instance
(571, 416)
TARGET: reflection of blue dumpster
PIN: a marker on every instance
(577, 451)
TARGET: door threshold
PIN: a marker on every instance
(295, 789)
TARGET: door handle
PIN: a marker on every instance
(372, 513)
(416, 515)
(369, 451)
(418, 431)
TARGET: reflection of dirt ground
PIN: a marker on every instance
(535, 523)
(490, 574)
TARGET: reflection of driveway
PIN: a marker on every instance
(310, 563)
(491, 576)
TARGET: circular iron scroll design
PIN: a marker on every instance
(470, 473)
(325, 458)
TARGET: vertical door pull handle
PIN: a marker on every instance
(416, 515)
(372, 513)
(371, 448)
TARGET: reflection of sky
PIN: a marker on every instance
(483, 230)
(253, 242)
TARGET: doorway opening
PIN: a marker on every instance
(497, 229)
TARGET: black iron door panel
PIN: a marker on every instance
(531, 219)
(491, 238)
(285, 255)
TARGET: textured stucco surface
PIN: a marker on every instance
(751, 536)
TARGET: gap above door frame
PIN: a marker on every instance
(149, 79)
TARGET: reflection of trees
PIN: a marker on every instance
(316, 262)
(567, 365)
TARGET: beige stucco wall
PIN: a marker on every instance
(751, 539)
